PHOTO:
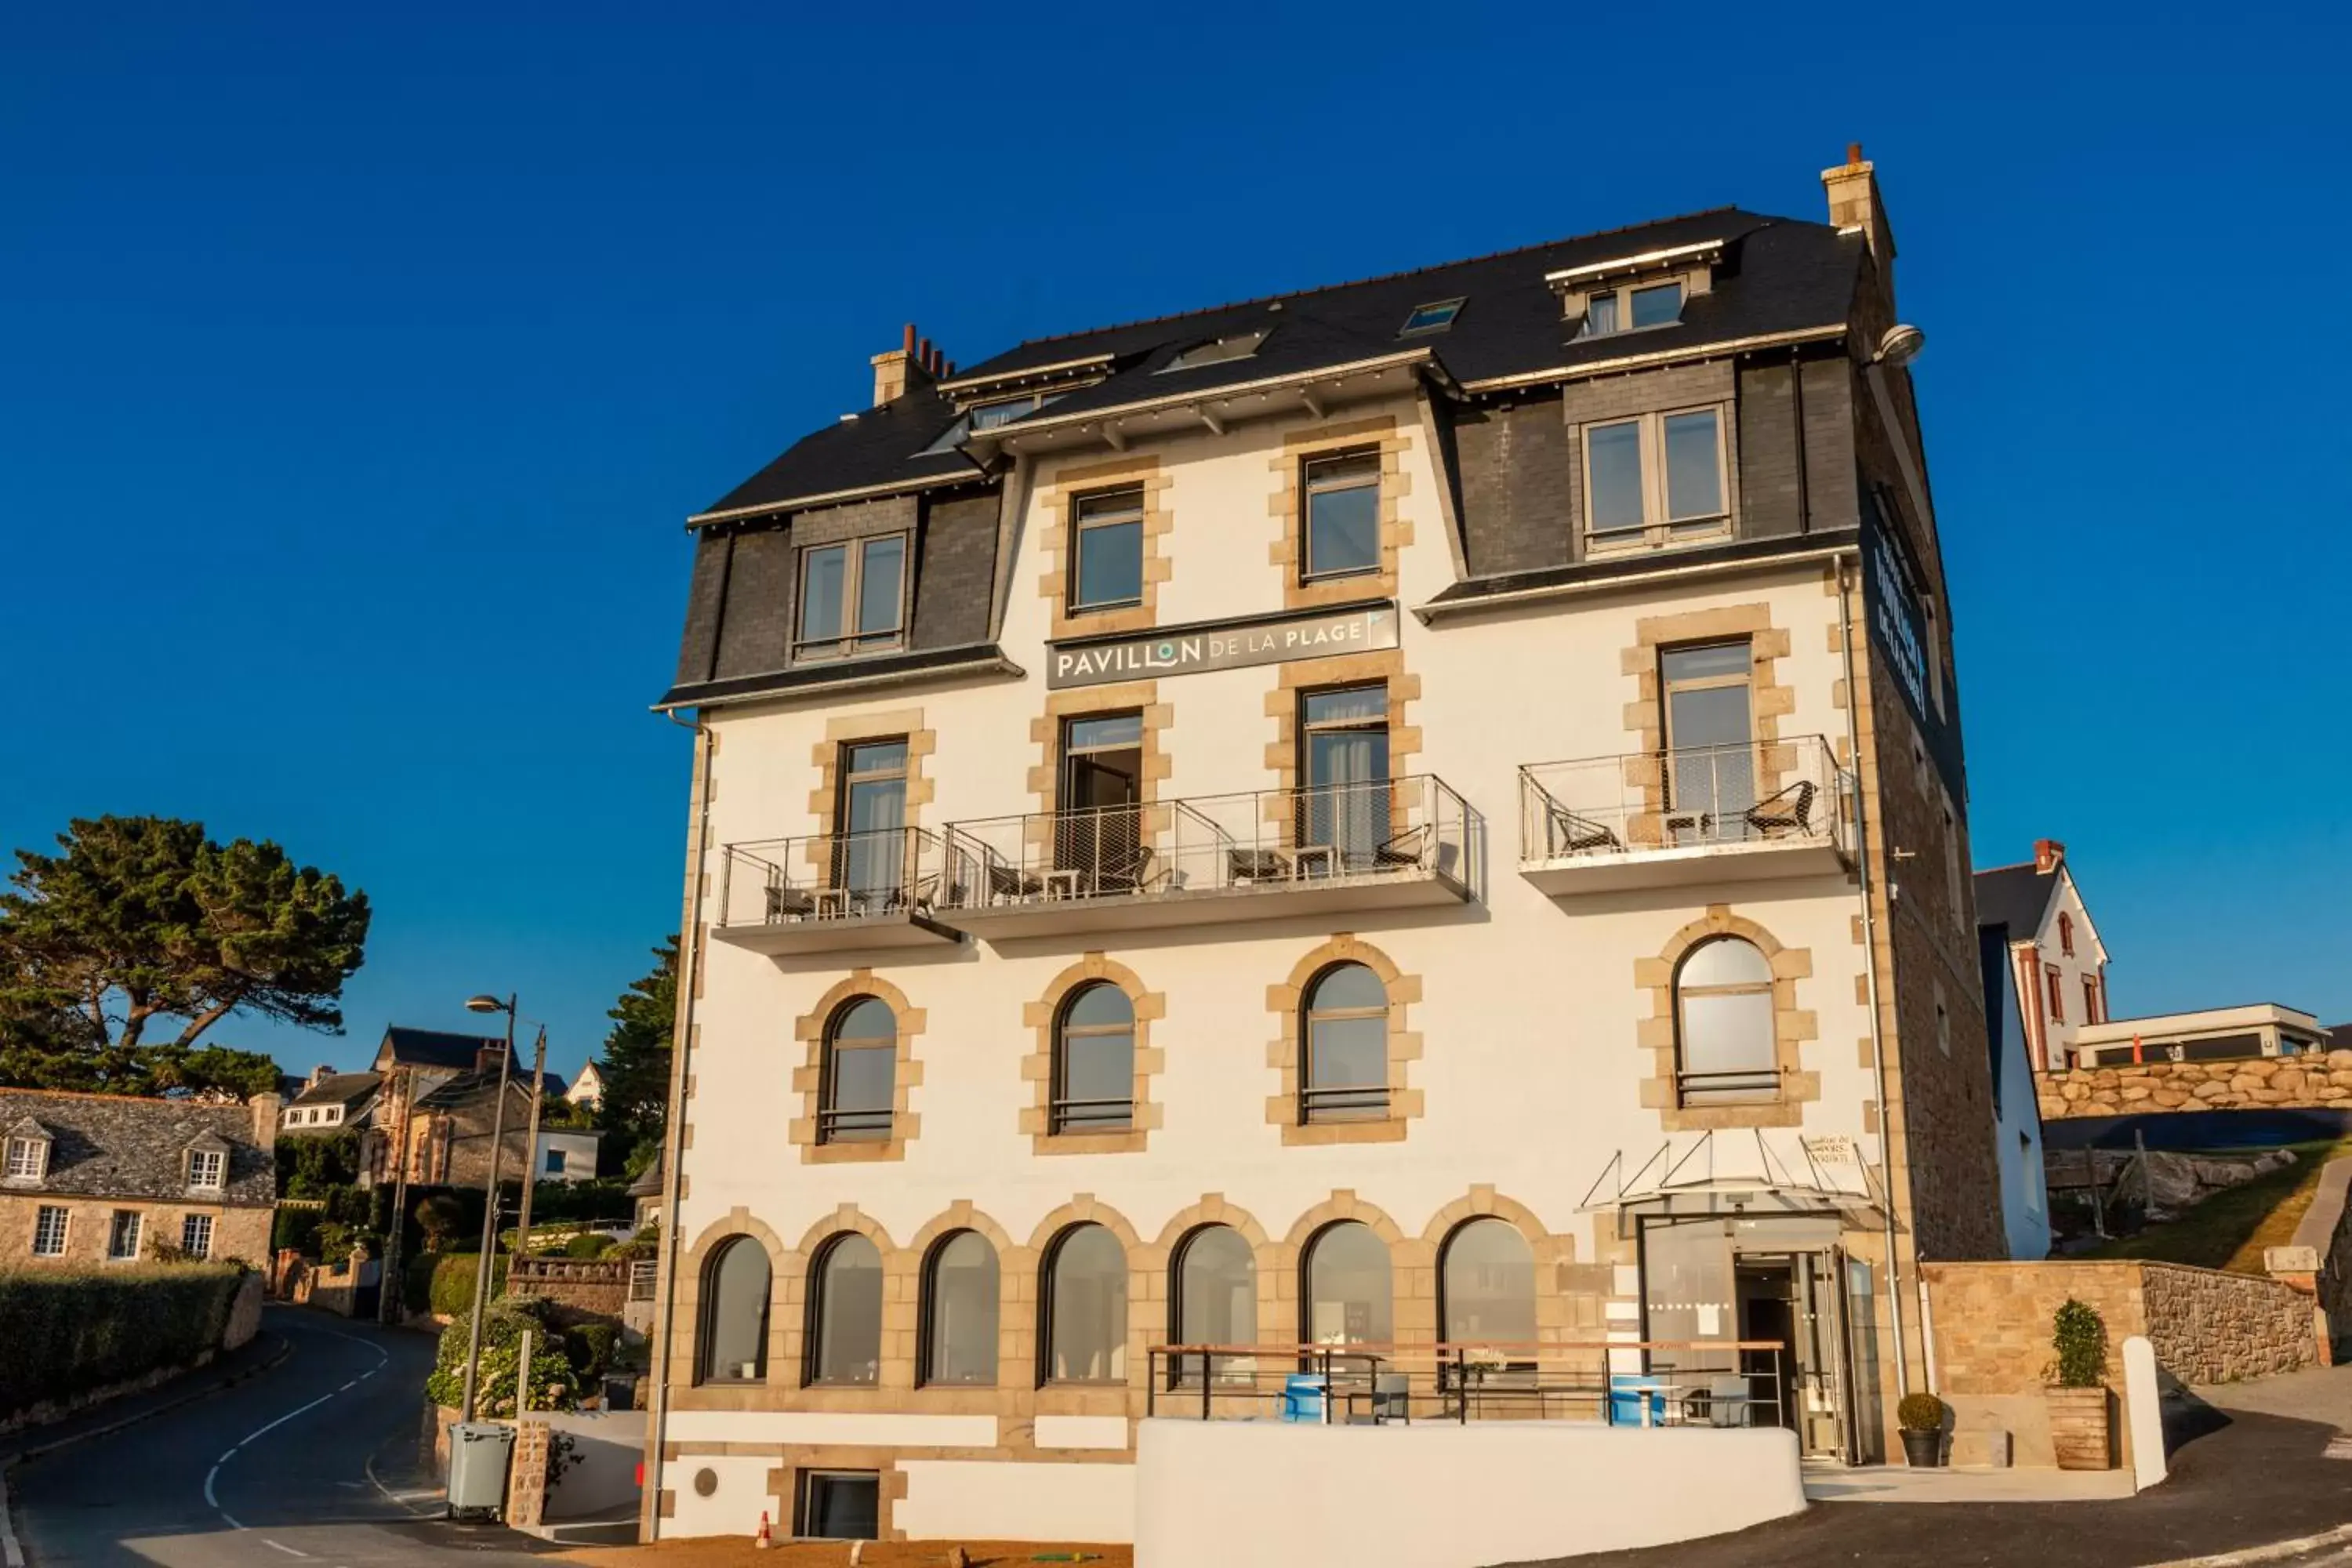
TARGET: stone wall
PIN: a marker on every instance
(2133, 1087)
(527, 1477)
(590, 1284)
(2211, 1327)
(1992, 1328)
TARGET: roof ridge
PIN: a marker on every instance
(136, 1099)
(1382, 277)
(2012, 866)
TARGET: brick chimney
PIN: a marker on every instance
(2048, 856)
(487, 1055)
(914, 363)
(1854, 204)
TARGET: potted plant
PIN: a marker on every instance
(2077, 1391)
(1921, 1417)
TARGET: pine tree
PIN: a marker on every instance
(636, 1067)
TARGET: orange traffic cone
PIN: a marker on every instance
(763, 1539)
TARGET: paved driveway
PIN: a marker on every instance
(319, 1459)
(2248, 1467)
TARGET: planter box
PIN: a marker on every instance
(2079, 1430)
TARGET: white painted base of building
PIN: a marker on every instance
(1267, 1495)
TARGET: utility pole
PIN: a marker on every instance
(482, 1275)
(530, 1142)
(387, 1301)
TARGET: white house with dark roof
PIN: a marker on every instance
(1363, 824)
(101, 1178)
(2055, 958)
(331, 1101)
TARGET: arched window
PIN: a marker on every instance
(1216, 1299)
(1093, 1061)
(861, 1069)
(1723, 1025)
(735, 1313)
(1486, 1286)
(844, 1330)
(960, 1298)
(1347, 1293)
(1346, 1075)
(1086, 1308)
(2066, 935)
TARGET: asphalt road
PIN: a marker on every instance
(319, 1458)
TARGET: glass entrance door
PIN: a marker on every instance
(1710, 761)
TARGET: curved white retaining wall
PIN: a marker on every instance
(1265, 1495)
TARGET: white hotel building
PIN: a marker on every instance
(1425, 815)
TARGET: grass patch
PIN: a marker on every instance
(2230, 1229)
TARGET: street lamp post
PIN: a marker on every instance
(490, 1197)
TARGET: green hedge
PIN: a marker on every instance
(67, 1332)
(452, 1290)
(555, 1381)
(296, 1228)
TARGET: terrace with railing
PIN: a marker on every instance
(1684, 817)
(832, 891)
(1385, 843)
(1712, 1382)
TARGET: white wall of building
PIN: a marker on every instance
(1435, 1495)
(2024, 1191)
(1529, 1014)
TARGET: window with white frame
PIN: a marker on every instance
(1106, 550)
(1655, 481)
(207, 1169)
(1342, 525)
(28, 1159)
(49, 1232)
(197, 1235)
(853, 598)
(122, 1236)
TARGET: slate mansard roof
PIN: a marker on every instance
(117, 1146)
(2016, 897)
(1777, 275)
(344, 1089)
(435, 1048)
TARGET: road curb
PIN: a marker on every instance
(2275, 1551)
(12, 1550)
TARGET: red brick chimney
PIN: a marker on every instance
(2048, 856)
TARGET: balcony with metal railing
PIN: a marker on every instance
(832, 893)
(1326, 848)
(1687, 816)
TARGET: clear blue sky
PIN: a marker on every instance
(360, 368)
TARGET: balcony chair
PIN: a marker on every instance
(789, 903)
(1574, 835)
(1010, 884)
(1129, 873)
(1410, 847)
(1790, 811)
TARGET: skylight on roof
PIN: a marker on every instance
(1431, 318)
(1217, 351)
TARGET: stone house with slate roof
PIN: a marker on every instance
(1427, 812)
(102, 1178)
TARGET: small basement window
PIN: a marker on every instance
(841, 1505)
(1217, 351)
(1431, 318)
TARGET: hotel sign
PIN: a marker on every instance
(1190, 651)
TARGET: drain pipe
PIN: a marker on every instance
(1870, 976)
(681, 1035)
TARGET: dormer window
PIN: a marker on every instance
(27, 1158)
(989, 415)
(1217, 351)
(1632, 309)
(1431, 318)
(207, 1170)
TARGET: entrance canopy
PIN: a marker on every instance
(1751, 1172)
